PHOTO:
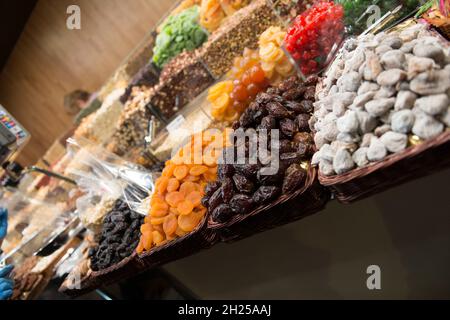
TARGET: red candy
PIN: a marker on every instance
(313, 34)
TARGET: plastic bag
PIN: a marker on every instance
(102, 175)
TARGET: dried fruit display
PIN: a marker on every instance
(213, 12)
(243, 187)
(176, 206)
(119, 237)
(313, 35)
(274, 61)
(178, 33)
(231, 97)
(382, 93)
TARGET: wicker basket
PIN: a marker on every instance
(415, 162)
(308, 200)
(199, 239)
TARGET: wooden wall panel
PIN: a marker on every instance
(49, 60)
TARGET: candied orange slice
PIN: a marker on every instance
(180, 172)
(173, 185)
(188, 222)
(195, 198)
(159, 210)
(170, 225)
(174, 198)
(185, 207)
(198, 170)
(157, 237)
(161, 184)
(187, 187)
(147, 240)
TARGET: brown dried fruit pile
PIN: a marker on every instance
(243, 187)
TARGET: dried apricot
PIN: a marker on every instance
(140, 247)
(145, 228)
(173, 185)
(185, 207)
(174, 198)
(161, 184)
(180, 232)
(198, 170)
(192, 178)
(195, 198)
(180, 172)
(157, 221)
(187, 187)
(168, 170)
(157, 237)
(188, 222)
(170, 224)
(174, 211)
(147, 239)
(159, 210)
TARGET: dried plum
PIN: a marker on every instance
(241, 204)
(248, 170)
(225, 171)
(288, 127)
(308, 106)
(288, 84)
(268, 123)
(295, 176)
(211, 188)
(277, 110)
(266, 177)
(215, 200)
(310, 93)
(265, 194)
(303, 122)
(227, 190)
(243, 184)
(287, 159)
(295, 93)
(311, 80)
(222, 213)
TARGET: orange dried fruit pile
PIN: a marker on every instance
(245, 80)
(175, 206)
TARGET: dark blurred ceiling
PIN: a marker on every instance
(14, 15)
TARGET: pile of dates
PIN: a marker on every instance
(242, 188)
(120, 236)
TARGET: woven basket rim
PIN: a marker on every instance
(386, 162)
(311, 175)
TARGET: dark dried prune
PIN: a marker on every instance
(222, 213)
(288, 84)
(243, 184)
(235, 125)
(268, 123)
(304, 137)
(215, 200)
(211, 188)
(295, 176)
(308, 106)
(246, 119)
(266, 176)
(310, 93)
(287, 159)
(295, 106)
(288, 127)
(225, 171)
(241, 204)
(227, 190)
(277, 110)
(311, 80)
(205, 201)
(303, 122)
(265, 194)
(294, 94)
(248, 170)
(263, 97)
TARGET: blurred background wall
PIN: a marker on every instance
(49, 60)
